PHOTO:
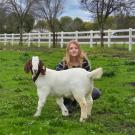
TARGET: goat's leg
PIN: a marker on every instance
(83, 106)
(89, 101)
(62, 106)
(42, 98)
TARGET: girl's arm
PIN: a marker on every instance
(86, 65)
(59, 66)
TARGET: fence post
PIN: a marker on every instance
(91, 38)
(76, 35)
(5, 39)
(12, 39)
(109, 37)
(29, 40)
(39, 39)
(130, 39)
(61, 39)
(49, 39)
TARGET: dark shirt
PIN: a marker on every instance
(63, 66)
(85, 65)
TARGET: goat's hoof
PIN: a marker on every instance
(36, 115)
(65, 113)
(89, 115)
(83, 119)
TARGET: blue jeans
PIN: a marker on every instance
(96, 93)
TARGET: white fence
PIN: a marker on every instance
(122, 36)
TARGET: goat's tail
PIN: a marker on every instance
(96, 74)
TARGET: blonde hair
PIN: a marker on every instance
(80, 56)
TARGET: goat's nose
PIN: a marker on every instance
(35, 71)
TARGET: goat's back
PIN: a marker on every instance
(66, 82)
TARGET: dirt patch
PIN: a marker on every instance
(132, 84)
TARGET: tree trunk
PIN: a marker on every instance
(21, 38)
(54, 41)
(21, 33)
(102, 36)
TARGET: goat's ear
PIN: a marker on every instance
(42, 68)
(28, 66)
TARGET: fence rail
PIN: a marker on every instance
(122, 36)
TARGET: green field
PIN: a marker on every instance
(112, 114)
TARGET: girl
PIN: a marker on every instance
(74, 58)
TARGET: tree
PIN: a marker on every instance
(22, 8)
(41, 25)
(78, 24)
(110, 23)
(12, 24)
(3, 20)
(127, 21)
(69, 24)
(3, 15)
(87, 26)
(101, 9)
(66, 23)
(50, 10)
(28, 23)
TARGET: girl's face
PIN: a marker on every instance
(73, 50)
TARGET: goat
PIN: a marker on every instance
(75, 83)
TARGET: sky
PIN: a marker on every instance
(72, 9)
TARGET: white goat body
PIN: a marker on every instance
(66, 83)
(75, 82)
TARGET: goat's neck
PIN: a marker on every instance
(34, 77)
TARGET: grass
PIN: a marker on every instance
(112, 114)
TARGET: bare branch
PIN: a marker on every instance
(101, 9)
(21, 8)
(50, 10)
